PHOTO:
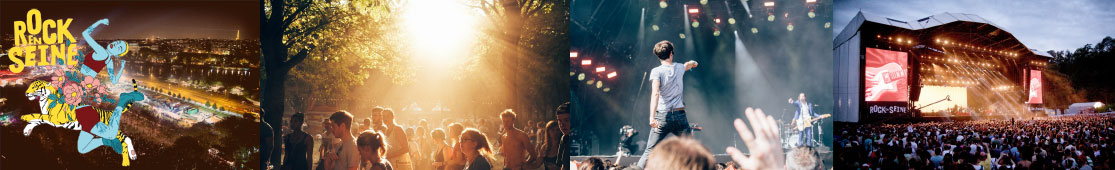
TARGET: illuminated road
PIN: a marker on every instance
(233, 105)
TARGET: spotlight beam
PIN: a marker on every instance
(746, 7)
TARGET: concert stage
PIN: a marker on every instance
(950, 62)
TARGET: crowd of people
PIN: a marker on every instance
(683, 152)
(379, 142)
(1071, 142)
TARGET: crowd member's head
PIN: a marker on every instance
(438, 135)
(474, 140)
(455, 130)
(680, 153)
(664, 50)
(802, 158)
(296, 121)
(377, 116)
(371, 146)
(342, 122)
(389, 116)
(563, 118)
(410, 132)
(420, 133)
(592, 163)
(508, 118)
(553, 132)
(367, 124)
(327, 126)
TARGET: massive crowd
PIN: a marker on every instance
(1071, 142)
(380, 142)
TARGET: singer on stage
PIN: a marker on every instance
(803, 120)
(667, 111)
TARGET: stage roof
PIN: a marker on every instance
(934, 23)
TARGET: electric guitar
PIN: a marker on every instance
(883, 80)
(801, 125)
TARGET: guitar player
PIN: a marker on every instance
(803, 119)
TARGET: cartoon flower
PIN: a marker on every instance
(59, 78)
(72, 94)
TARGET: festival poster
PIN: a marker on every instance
(129, 84)
(885, 76)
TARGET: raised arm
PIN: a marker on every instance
(97, 48)
(690, 65)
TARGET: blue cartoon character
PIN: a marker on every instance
(102, 57)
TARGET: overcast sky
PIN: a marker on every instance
(1042, 25)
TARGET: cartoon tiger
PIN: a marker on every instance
(63, 115)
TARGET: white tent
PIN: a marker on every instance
(1086, 107)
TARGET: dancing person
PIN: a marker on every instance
(516, 146)
(347, 157)
(474, 145)
(371, 148)
(803, 120)
(299, 145)
(667, 110)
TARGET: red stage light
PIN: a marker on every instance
(572, 54)
(613, 74)
(600, 69)
(810, 1)
(693, 10)
(768, 4)
(716, 20)
(586, 62)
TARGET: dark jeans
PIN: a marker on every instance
(673, 122)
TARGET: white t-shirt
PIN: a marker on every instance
(670, 86)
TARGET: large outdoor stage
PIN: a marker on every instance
(945, 65)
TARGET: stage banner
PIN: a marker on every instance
(885, 76)
(1035, 87)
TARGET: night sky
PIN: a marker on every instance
(145, 19)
